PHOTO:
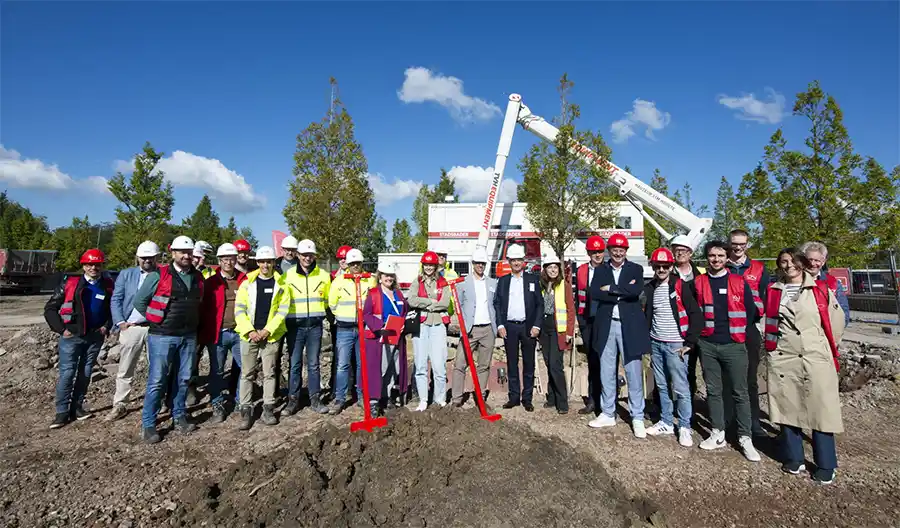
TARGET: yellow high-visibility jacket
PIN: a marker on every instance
(309, 293)
(245, 308)
(342, 297)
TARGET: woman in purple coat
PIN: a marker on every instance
(385, 363)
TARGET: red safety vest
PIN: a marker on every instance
(773, 318)
(378, 308)
(441, 284)
(67, 310)
(683, 321)
(832, 283)
(581, 283)
(753, 275)
(737, 312)
(156, 308)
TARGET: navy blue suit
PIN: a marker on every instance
(518, 334)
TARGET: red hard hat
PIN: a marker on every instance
(595, 243)
(618, 240)
(93, 256)
(430, 257)
(342, 252)
(662, 256)
(242, 245)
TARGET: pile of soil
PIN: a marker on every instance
(26, 358)
(861, 364)
(444, 468)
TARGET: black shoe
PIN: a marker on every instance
(184, 426)
(457, 404)
(61, 420)
(587, 409)
(246, 418)
(823, 476)
(150, 435)
(268, 415)
(794, 468)
(81, 414)
(219, 414)
(528, 407)
(335, 408)
(317, 406)
(510, 405)
(549, 405)
(563, 411)
(293, 406)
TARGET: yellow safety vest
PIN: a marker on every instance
(309, 293)
(245, 308)
(207, 272)
(342, 297)
(559, 300)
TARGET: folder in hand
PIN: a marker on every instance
(392, 329)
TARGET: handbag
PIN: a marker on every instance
(413, 323)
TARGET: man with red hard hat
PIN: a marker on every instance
(595, 247)
(79, 311)
(244, 263)
(619, 329)
(342, 262)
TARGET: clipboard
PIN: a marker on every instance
(393, 328)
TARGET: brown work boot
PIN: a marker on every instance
(246, 418)
(117, 413)
(268, 415)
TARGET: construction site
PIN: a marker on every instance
(442, 467)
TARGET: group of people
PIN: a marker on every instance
(257, 307)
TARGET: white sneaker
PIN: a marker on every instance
(685, 438)
(441, 404)
(750, 452)
(422, 406)
(638, 427)
(602, 421)
(660, 428)
(716, 440)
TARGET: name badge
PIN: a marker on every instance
(673, 295)
(100, 296)
(723, 291)
(267, 290)
(531, 287)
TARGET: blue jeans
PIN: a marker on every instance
(669, 367)
(166, 351)
(229, 340)
(431, 345)
(634, 376)
(76, 363)
(347, 344)
(298, 338)
(824, 449)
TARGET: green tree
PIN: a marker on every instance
(72, 241)
(564, 195)
(401, 239)
(420, 219)
(230, 232)
(145, 209)
(445, 187)
(20, 228)
(877, 209)
(247, 234)
(375, 241)
(684, 198)
(727, 215)
(203, 224)
(330, 200)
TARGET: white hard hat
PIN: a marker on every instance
(681, 240)
(387, 267)
(203, 246)
(515, 251)
(354, 255)
(550, 258)
(182, 243)
(306, 246)
(198, 252)
(289, 242)
(227, 250)
(480, 255)
(147, 249)
(265, 253)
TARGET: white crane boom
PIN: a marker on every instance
(632, 189)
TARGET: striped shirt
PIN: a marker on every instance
(791, 291)
(664, 327)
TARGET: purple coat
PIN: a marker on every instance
(373, 322)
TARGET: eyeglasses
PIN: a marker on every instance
(662, 266)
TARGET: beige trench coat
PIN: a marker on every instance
(803, 381)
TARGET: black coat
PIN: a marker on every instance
(534, 301)
(627, 295)
(695, 316)
(77, 325)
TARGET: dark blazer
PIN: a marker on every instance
(626, 294)
(534, 301)
(695, 316)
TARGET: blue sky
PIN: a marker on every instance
(228, 86)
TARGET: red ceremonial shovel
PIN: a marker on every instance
(468, 348)
(368, 423)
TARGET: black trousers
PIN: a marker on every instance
(518, 338)
(557, 390)
(593, 359)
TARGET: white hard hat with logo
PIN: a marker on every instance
(354, 255)
(227, 250)
(289, 242)
(516, 251)
(387, 267)
(550, 258)
(306, 246)
(182, 243)
(265, 253)
(480, 255)
(147, 249)
(681, 240)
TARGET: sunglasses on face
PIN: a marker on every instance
(662, 266)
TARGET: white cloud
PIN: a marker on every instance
(643, 114)
(750, 108)
(388, 193)
(224, 186)
(422, 85)
(26, 173)
(473, 184)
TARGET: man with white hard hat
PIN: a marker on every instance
(201, 249)
(289, 260)
(476, 299)
(686, 270)
(131, 324)
(170, 298)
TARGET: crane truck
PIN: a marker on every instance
(633, 190)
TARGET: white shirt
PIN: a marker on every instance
(515, 307)
(482, 315)
(616, 272)
(135, 316)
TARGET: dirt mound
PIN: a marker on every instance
(26, 358)
(424, 469)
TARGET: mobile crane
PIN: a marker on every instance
(633, 190)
